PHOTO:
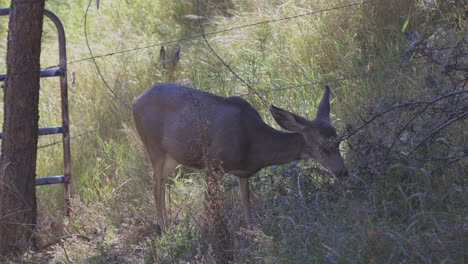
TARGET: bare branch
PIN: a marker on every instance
(440, 128)
(402, 105)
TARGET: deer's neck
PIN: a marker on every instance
(275, 147)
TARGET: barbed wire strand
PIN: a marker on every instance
(386, 70)
(338, 79)
(84, 133)
(93, 58)
(217, 32)
(251, 89)
(85, 29)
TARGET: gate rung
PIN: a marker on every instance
(50, 130)
(44, 73)
(46, 131)
(50, 180)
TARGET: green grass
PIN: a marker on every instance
(394, 208)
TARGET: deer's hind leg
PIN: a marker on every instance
(163, 165)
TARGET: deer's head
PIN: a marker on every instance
(321, 139)
(169, 62)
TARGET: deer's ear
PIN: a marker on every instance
(323, 111)
(162, 53)
(162, 57)
(288, 120)
(177, 53)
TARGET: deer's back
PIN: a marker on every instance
(192, 125)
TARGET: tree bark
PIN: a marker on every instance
(21, 115)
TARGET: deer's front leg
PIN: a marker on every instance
(245, 198)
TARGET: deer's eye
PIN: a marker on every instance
(329, 145)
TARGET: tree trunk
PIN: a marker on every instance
(21, 115)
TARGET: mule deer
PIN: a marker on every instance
(179, 125)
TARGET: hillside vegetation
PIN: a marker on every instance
(398, 74)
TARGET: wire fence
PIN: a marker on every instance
(387, 70)
(217, 32)
(202, 35)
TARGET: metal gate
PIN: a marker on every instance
(61, 72)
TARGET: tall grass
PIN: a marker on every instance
(393, 209)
